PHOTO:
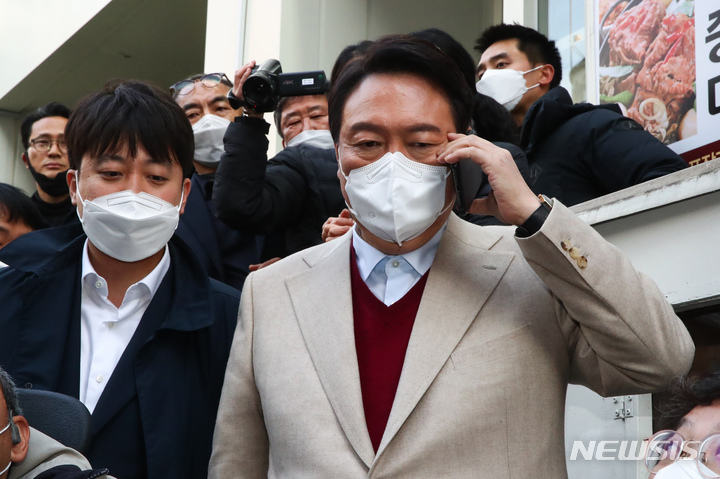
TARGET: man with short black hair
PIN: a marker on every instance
(291, 195)
(115, 311)
(43, 136)
(575, 152)
(421, 345)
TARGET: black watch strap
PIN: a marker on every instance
(533, 224)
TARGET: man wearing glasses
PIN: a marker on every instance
(225, 253)
(289, 196)
(690, 447)
(43, 137)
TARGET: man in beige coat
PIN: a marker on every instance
(474, 340)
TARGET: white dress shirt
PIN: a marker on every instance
(390, 277)
(105, 331)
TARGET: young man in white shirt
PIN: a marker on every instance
(115, 311)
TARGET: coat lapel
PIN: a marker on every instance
(461, 279)
(327, 328)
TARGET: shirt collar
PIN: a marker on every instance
(420, 259)
(151, 281)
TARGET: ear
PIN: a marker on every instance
(25, 159)
(72, 184)
(283, 142)
(186, 191)
(547, 74)
(19, 450)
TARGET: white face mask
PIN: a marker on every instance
(395, 198)
(129, 226)
(682, 469)
(505, 86)
(9, 463)
(209, 132)
(317, 138)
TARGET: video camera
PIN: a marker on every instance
(267, 84)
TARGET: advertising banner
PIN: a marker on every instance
(660, 60)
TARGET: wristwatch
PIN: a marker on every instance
(533, 224)
(545, 202)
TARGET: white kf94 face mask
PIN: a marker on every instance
(209, 133)
(317, 138)
(505, 86)
(682, 469)
(395, 198)
(129, 226)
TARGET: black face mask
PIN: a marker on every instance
(52, 186)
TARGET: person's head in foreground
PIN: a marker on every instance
(423, 98)
(689, 447)
(18, 214)
(130, 148)
(14, 429)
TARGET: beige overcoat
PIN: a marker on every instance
(503, 326)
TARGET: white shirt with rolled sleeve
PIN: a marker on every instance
(105, 331)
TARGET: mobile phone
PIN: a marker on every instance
(468, 177)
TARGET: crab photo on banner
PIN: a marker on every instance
(660, 61)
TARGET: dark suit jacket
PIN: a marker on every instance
(199, 226)
(155, 417)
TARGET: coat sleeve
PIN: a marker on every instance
(623, 154)
(240, 443)
(621, 333)
(251, 194)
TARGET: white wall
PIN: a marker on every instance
(12, 169)
(30, 30)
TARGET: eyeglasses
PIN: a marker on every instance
(666, 447)
(45, 144)
(185, 87)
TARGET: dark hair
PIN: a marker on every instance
(130, 113)
(536, 46)
(398, 54)
(9, 393)
(686, 394)
(492, 121)
(194, 78)
(18, 206)
(277, 114)
(350, 52)
(452, 48)
(51, 109)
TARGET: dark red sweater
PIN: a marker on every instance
(382, 334)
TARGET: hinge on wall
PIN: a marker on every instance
(624, 407)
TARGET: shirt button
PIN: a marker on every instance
(98, 284)
(110, 325)
(395, 264)
(99, 379)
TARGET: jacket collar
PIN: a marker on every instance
(548, 113)
(46, 252)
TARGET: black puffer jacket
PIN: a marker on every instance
(579, 152)
(292, 194)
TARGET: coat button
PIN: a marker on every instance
(565, 245)
(28, 385)
(582, 262)
(574, 253)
